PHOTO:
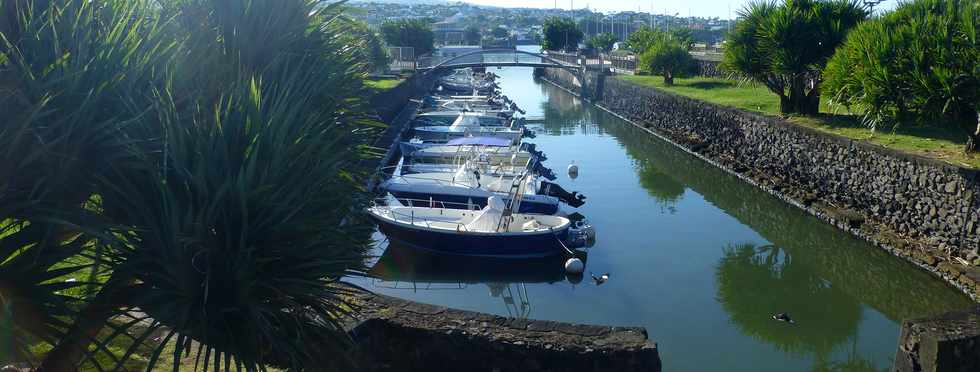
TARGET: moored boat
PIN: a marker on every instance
(467, 125)
(489, 232)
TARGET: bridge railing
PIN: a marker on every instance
(490, 57)
(572, 58)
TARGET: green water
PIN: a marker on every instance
(697, 257)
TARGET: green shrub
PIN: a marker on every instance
(414, 33)
(669, 58)
(645, 37)
(602, 42)
(785, 46)
(917, 64)
(561, 34)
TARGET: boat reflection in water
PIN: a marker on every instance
(410, 268)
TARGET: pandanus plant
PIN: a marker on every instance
(785, 46)
(915, 65)
(181, 176)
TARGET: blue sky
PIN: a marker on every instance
(702, 8)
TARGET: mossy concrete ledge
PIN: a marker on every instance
(949, 342)
(398, 335)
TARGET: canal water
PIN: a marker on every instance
(699, 258)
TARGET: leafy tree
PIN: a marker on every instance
(603, 42)
(643, 38)
(190, 159)
(917, 64)
(500, 32)
(561, 34)
(536, 36)
(669, 58)
(414, 33)
(472, 35)
(371, 48)
(785, 46)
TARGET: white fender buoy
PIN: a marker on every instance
(574, 266)
(573, 170)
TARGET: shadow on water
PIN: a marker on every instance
(850, 266)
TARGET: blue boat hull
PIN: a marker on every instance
(460, 201)
(478, 245)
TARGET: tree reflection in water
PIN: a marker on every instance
(663, 188)
(564, 112)
(755, 282)
(866, 274)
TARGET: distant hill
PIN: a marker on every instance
(405, 2)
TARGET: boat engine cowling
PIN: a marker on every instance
(573, 199)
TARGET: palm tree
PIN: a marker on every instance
(193, 160)
(785, 46)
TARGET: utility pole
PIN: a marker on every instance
(651, 15)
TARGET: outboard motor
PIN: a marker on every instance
(529, 133)
(532, 148)
(543, 171)
(513, 106)
(573, 199)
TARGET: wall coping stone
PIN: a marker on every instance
(948, 342)
(407, 335)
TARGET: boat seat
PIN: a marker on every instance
(489, 217)
(531, 225)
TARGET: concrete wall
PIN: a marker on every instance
(917, 208)
(590, 86)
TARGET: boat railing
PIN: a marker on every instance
(416, 286)
(474, 160)
(430, 203)
(387, 174)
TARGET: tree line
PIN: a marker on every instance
(916, 65)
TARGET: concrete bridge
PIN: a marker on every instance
(495, 58)
(487, 58)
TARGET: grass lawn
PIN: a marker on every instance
(937, 143)
(383, 84)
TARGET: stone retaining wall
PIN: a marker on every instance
(950, 342)
(917, 208)
(390, 102)
(399, 335)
